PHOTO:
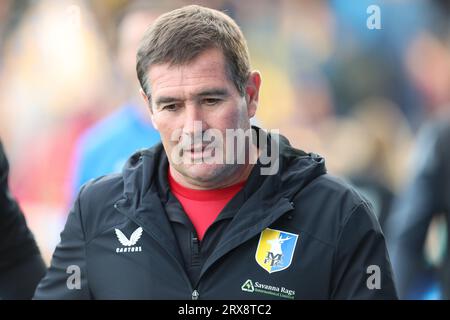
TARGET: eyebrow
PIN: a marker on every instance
(217, 92)
(164, 99)
(213, 92)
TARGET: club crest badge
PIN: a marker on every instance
(275, 250)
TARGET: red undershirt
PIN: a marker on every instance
(203, 206)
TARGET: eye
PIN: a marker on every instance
(211, 101)
(170, 107)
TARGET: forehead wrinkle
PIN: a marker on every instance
(194, 70)
(193, 89)
(207, 70)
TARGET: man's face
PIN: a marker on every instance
(200, 92)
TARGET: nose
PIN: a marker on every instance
(194, 122)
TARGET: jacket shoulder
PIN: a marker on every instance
(95, 203)
(328, 204)
(102, 188)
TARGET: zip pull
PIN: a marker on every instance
(195, 251)
(195, 295)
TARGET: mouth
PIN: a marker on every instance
(199, 152)
(196, 149)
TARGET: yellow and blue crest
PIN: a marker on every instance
(275, 249)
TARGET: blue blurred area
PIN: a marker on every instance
(105, 147)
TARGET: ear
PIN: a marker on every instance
(149, 105)
(252, 92)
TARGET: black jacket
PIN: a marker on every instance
(21, 265)
(314, 237)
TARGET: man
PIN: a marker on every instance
(21, 265)
(177, 224)
(426, 196)
(427, 193)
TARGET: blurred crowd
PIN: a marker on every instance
(374, 102)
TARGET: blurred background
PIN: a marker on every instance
(373, 101)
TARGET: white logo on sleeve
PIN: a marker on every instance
(129, 243)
